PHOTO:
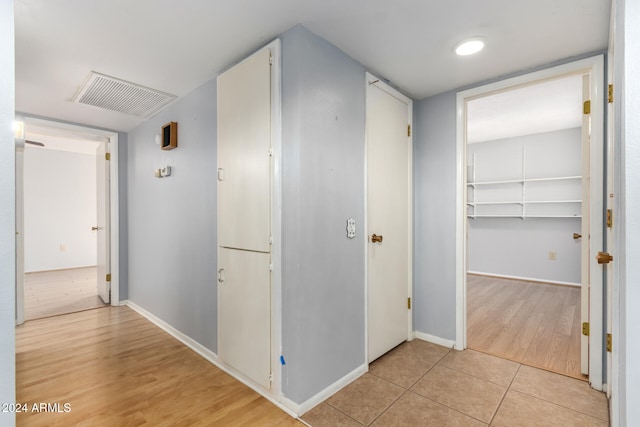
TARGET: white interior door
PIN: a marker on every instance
(586, 199)
(244, 162)
(102, 223)
(244, 220)
(388, 217)
(20, 233)
(244, 312)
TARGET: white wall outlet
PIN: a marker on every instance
(553, 255)
(351, 228)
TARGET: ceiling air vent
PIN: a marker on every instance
(119, 95)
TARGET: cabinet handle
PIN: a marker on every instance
(220, 275)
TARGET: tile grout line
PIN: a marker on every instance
(504, 395)
(563, 406)
(449, 407)
(342, 412)
(406, 389)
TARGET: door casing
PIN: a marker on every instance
(594, 66)
(112, 137)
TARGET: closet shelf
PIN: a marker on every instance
(512, 198)
(471, 216)
(520, 181)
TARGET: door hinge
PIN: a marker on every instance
(108, 278)
(107, 156)
(408, 130)
(610, 94)
(270, 151)
(609, 218)
(609, 342)
(270, 60)
(587, 107)
(271, 267)
(409, 303)
(585, 328)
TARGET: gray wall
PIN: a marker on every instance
(7, 213)
(516, 247)
(627, 105)
(434, 181)
(172, 221)
(53, 195)
(323, 185)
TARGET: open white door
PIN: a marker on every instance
(388, 217)
(102, 222)
(584, 259)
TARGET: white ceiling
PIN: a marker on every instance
(58, 139)
(175, 46)
(544, 107)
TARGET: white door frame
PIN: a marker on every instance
(371, 79)
(594, 66)
(113, 204)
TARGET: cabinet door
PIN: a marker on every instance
(244, 312)
(244, 161)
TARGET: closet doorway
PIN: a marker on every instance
(530, 150)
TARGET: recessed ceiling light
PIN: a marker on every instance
(469, 46)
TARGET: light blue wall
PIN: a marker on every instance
(627, 104)
(172, 221)
(434, 181)
(7, 214)
(495, 245)
(323, 185)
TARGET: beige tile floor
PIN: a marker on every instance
(422, 384)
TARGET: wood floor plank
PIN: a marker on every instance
(115, 368)
(532, 323)
(51, 293)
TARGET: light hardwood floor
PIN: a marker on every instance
(532, 323)
(49, 293)
(115, 368)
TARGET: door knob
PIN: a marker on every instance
(96, 228)
(375, 238)
(604, 258)
(576, 236)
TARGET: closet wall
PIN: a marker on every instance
(524, 204)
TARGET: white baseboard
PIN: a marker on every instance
(328, 392)
(124, 302)
(212, 357)
(527, 279)
(435, 340)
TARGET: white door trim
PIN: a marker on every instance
(595, 66)
(372, 79)
(113, 199)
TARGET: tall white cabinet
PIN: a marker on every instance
(244, 177)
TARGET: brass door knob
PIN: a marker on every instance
(604, 258)
(375, 238)
(576, 236)
(94, 228)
